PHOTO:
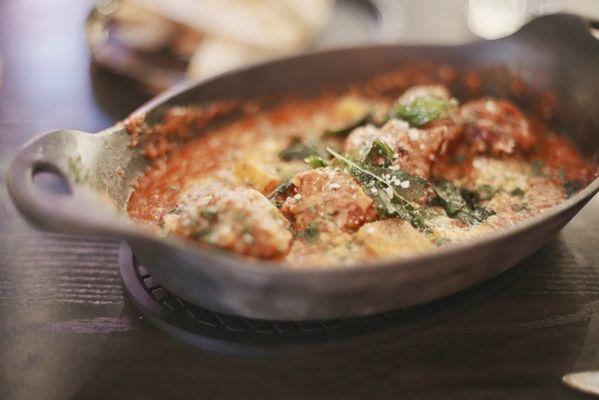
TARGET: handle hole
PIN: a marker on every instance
(49, 180)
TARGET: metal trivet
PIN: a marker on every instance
(216, 331)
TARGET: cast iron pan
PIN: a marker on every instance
(553, 54)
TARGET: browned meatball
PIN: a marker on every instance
(417, 148)
(495, 127)
(238, 219)
(328, 199)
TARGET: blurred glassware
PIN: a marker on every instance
(491, 19)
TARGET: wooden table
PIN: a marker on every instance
(67, 330)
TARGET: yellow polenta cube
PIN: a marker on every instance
(392, 237)
(349, 109)
(258, 175)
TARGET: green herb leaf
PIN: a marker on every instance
(424, 110)
(385, 187)
(440, 241)
(486, 192)
(202, 234)
(517, 192)
(379, 150)
(572, 186)
(311, 233)
(316, 161)
(297, 150)
(537, 168)
(346, 130)
(281, 192)
(461, 204)
(209, 213)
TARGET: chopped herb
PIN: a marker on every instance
(174, 210)
(297, 150)
(486, 192)
(520, 207)
(346, 130)
(281, 192)
(458, 159)
(316, 161)
(561, 173)
(380, 150)
(572, 186)
(517, 192)
(537, 168)
(461, 204)
(284, 188)
(203, 234)
(209, 213)
(310, 234)
(441, 241)
(424, 110)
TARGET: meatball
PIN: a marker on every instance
(417, 148)
(328, 199)
(361, 138)
(495, 127)
(238, 219)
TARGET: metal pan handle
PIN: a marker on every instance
(568, 29)
(83, 210)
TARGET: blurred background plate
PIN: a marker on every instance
(155, 68)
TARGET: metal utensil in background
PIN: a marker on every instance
(586, 382)
(587, 378)
(492, 19)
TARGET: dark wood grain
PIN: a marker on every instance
(68, 331)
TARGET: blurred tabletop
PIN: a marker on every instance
(68, 330)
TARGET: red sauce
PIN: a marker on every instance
(157, 189)
(179, 149)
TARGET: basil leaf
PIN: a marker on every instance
(316, 161)
(461, 204)
(384, 186)
(424, 110)
(379, 150)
